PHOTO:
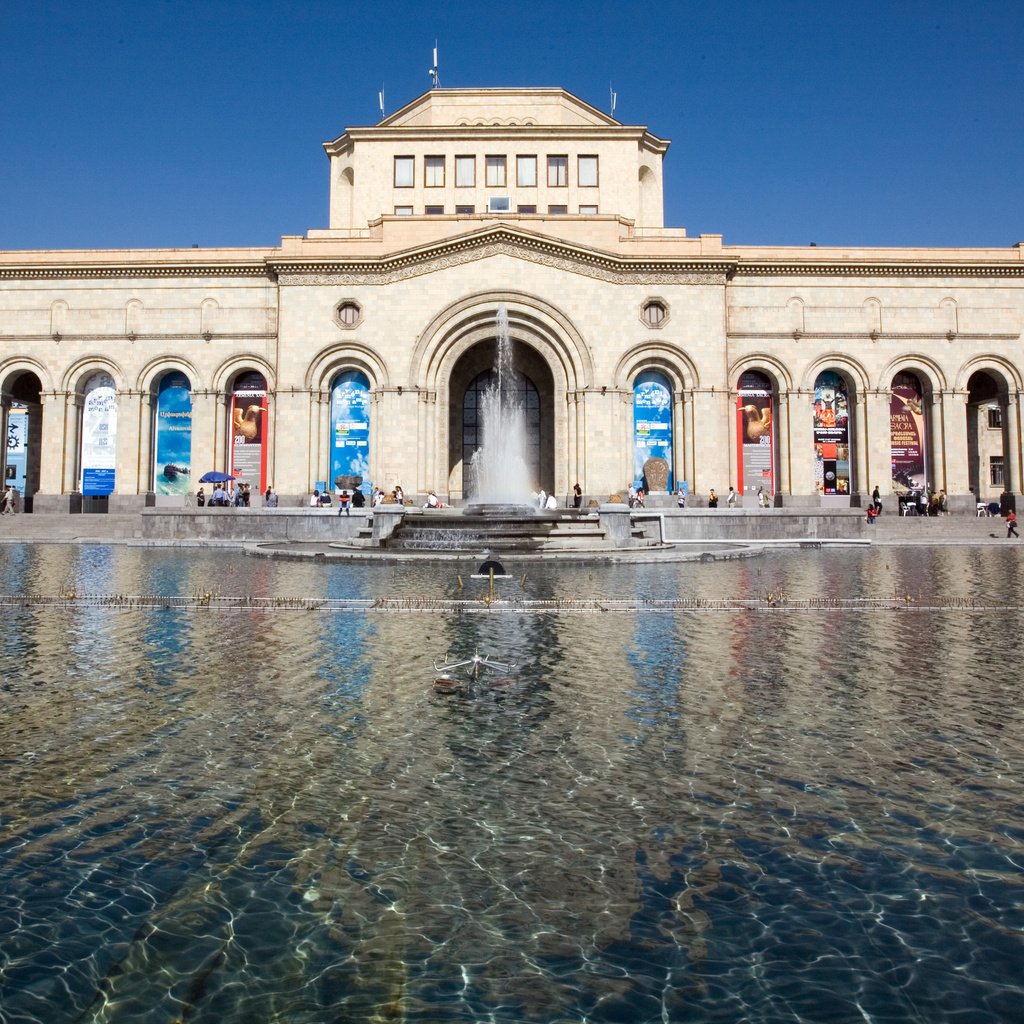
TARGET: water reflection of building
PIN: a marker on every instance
(815, 373)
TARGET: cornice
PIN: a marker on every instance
(108, 271)
(910, 268)
(871, 336)
(594, 263)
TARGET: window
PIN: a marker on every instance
(558, 171)
(499, 204)
(526, 171)
(348, 314)
(465, 171)
(995, 418)
(433, 172)
(586, 172)
(526, 209)
(654, 313)
(403, 172)
(558, 211)
(433, 211)
(495, 171)
(587, 211)
(464, 210)
(995, 470)
(403, 211)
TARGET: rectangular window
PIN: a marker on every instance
(433, 211)
(588, 211)
(495, 172)
(995, 418)
(586, 172)
(499, 204)
(995, 470)
(464, 210)
(558, 171)
(433, 172)
(558, 211)
(526, 171)
(465, 171)
(403, 172)
(526, 209)
(403, 211)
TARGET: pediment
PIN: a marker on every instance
(497, 107)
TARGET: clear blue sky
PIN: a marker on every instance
(161, 123)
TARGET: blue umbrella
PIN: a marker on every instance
(213, 477)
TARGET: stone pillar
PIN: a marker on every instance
(126, 460)
(784, 483)
(936, 464)
(428, 437)
(879, 443)
(71, 430)
(204, 411)
(954, 444)
(1012, 457)
(711, 461)
(801, 449)
(147, 448)
(221, 434)
(860, 439)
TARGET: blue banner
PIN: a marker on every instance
(172, 443)
(350, 428)
(652, 425)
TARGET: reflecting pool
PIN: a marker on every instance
(249, 815)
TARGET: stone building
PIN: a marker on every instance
(811, 374)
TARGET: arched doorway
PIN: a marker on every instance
(471, 375)
(832, 449)
(755, 435)
(350, 428)
(248, 418)
(908, 430)
(172, 435)
(652, 431)
(987, 443)
(24, 433)
(97, 461)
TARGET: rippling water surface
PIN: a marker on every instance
(256, 815)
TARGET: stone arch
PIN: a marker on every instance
(225, 374)
(81, 370)
(338, 358)
(647, 187)
(153, 371)
(762, 362)
(990, 387)
(995, 366)
(852, 370)
(671, 361)
(12, 369)
(925, 367)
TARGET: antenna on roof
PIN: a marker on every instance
(435, 77)
(614, 96)
(380, 101)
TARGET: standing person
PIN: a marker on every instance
(876, 499)
(399, 495)
(542, 499)
(1011, 524)
(712, 499)
(201, 497)
(681, 497)
(730, 498)
(270, 499)
(239, 497)
(632, 495)
(7, 501)
(577, 495)
(246, 495)
(640, 498)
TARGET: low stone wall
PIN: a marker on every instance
(246, 524)
(787, 524)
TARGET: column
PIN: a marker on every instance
(879, 453)
(204, 406)
(861, 439)
(784, 483)
(1012, 458)
(54, 452)
(711, 458)
(71, 426)
(126, 457)
(954, 443)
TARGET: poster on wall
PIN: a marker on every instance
(172, 469)
(755, 432)
(906, 423)
(350, 428)
(99, 435)
(16, 469)
(831, 435)
(652, 429)
(249, 408)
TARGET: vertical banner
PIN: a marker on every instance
(652, 428)
(755, 434)
(906, 424)
(172, 442)
(99, 435)
(831, 434)
(350, 428)
(249, 407)
(16, 471)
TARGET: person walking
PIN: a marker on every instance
(577, 495)
(1011, 524)
(730, 498)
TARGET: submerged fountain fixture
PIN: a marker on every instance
(499, 477)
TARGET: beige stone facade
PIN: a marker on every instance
(596, 296)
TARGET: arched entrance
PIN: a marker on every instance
(987, 441)
(832, 436)
(172, 435)
(909, 430)
(756, 400)
(472, 374)
(248, 429)
(23, 430)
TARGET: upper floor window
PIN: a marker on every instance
(433, 172)
(433, 211)
(348, 314)
(403, 211)
(495, 171)
(465, 171)
(995, 470)
(558, 211)
(558, 171)
(586, 172)
(587, 211)
(526, 171)
(654, 313)
(995, 417)
(526, 209)
(464, 210)
(403, 171)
